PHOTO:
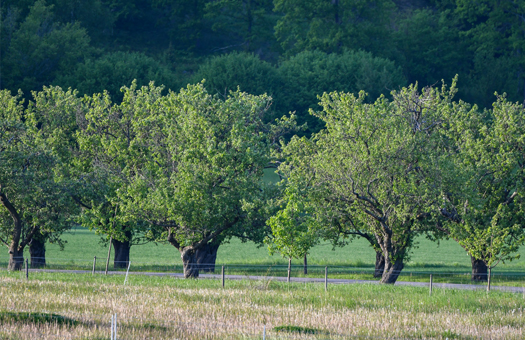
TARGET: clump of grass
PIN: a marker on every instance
(37, 318)
(152, 326)
(297, 329)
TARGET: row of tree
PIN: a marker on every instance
(187, 168)
(97, 45)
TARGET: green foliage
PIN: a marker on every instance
(250, 20)
(308, 75)
(238, 70)
(428, 47)
(330, 26)
(496, 29)
(113, 70)
(35, 182)
(38, 49)
(185, 168)
(292, 232)
(486, 213)
(376, 167)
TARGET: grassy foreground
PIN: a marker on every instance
(80, 306)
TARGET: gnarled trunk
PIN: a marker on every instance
(16, 252)
(393, 252)
(479, 270)
(380, 264)
(392, 270)
(206, 257)
(122, 250)
(189, 263)
(37, 251)
(16, 259)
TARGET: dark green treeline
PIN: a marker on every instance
(293, 50)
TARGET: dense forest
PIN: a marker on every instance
(389, 151)
(291, 50)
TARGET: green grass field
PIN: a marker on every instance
(447, 256)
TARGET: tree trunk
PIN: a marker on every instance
(191, 268)
(392, 270)
(305, 265)
(380, 264)
(206, 257)
(37, 251)
(16, 253)
(122, 249)
(16, 259)
(479, 270)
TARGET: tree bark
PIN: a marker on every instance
(392, 270)
(16, 253)
(121, 258)
(206, 256)
(37, 251)
(189, 263)
(16, 259)
(380, 264)
(122, 250)
(305, 265)
(393, 254)
(479, 270)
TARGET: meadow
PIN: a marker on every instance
(51, 305)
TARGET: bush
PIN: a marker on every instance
(311, 73)
(114, 70)
(238, 70)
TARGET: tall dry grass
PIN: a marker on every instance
(167, 308)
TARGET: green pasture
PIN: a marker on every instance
(447, 256)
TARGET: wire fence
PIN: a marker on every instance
(109, 326)
(331, 274)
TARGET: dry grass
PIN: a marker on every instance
(166, 308)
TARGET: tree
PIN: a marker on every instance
(485, 214)
(104, 137)
(239, 70)
(377, 166)
(190, 164)
(248, 20)
(112, 70)
(34, 185)
(39, 48)
(496, 29)
(309, 74)
(330, 26)
(429, 47)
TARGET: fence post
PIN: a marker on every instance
(94, 264)
(27, 269)
(109, 254)
(222, 274)
(325, 279)
(430, 284)
(488, 281)
(305, 265)
(264, 332)
(289, 269)
(112, 322)
(127, 272)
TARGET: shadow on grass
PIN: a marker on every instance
(37, 318)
